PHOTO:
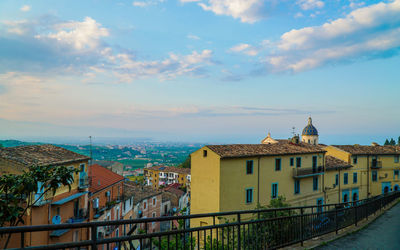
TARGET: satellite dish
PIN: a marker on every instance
(56, 219)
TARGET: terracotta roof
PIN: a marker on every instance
(284, 147)
(101, 177)
(170, 169)
(369, 150)
(139, 193)
(42, 155)
(333, 163)
(174, 190)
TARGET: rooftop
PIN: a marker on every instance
(139, 193)
(283, 147)
(170, 169)
(369, 150)
(42, 155)
(101, 177)
(333, 163)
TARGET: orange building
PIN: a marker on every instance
(66, 206)
(105, 199)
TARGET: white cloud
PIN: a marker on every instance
(147, 3)
(310, 4)
(189, 1)
(128, 69)
(80, 35)
(248, 11)
(25, 8)
(78, 48)
(364, 33)
(193, 37)
(245, 49)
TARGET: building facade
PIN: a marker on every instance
(157, 176)
(65, 206)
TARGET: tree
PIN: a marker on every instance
(398, 141)
(186, 163)
(1, 145)
(392, 142)
(387, 142)
(18, 193)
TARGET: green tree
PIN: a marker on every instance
(17, 192)
(186, 163)
(392, 142)
(398, 141)
(1, 145)
(387, 142)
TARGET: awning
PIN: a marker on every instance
(69, 198)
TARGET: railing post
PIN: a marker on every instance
(94, 237)
(355, 213)
(238, 218)
(301, 226)
(336, 220)
(22, 240)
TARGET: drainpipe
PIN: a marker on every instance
(367, 176)
(323, 177)
(339, 188)
(258, 180)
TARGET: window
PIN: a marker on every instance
(396, 174)
(374, 175)
(345, 178)
(82, 167)
(315, 183)
(154, 201)
(298, 162)
(292, 162)
(278, 164)
(337, 179)
(354, 159)
(249, 195)
(314, 161)
(204, 153)
(274, 190)
(154, 215)
(58, 211)
(396, 159)
(144, 205)
(297, 186)
(354, 177)
(249, 167)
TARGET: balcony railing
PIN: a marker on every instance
(306, 172)
(251, 229)
(376, 164)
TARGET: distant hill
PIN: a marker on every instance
(14, 143)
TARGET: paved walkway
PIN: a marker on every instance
(383, 233)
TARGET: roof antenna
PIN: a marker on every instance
(293, 131)
(90, 149)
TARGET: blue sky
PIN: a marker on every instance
(207, 70)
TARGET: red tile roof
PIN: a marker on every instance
(102, 178)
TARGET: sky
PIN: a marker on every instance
(223, 71)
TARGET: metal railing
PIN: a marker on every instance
(250, 229)
(305, 172)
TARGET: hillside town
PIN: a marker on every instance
(222, 178)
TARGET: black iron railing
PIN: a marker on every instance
(251, 229)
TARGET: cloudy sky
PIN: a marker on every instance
(200, 70)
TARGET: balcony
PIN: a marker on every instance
(376, 164)
(307, 172)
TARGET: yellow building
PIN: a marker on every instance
(376, 167)
(66, 206)
(157, 176)
(240, 176)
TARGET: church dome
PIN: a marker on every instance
(310, 129)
